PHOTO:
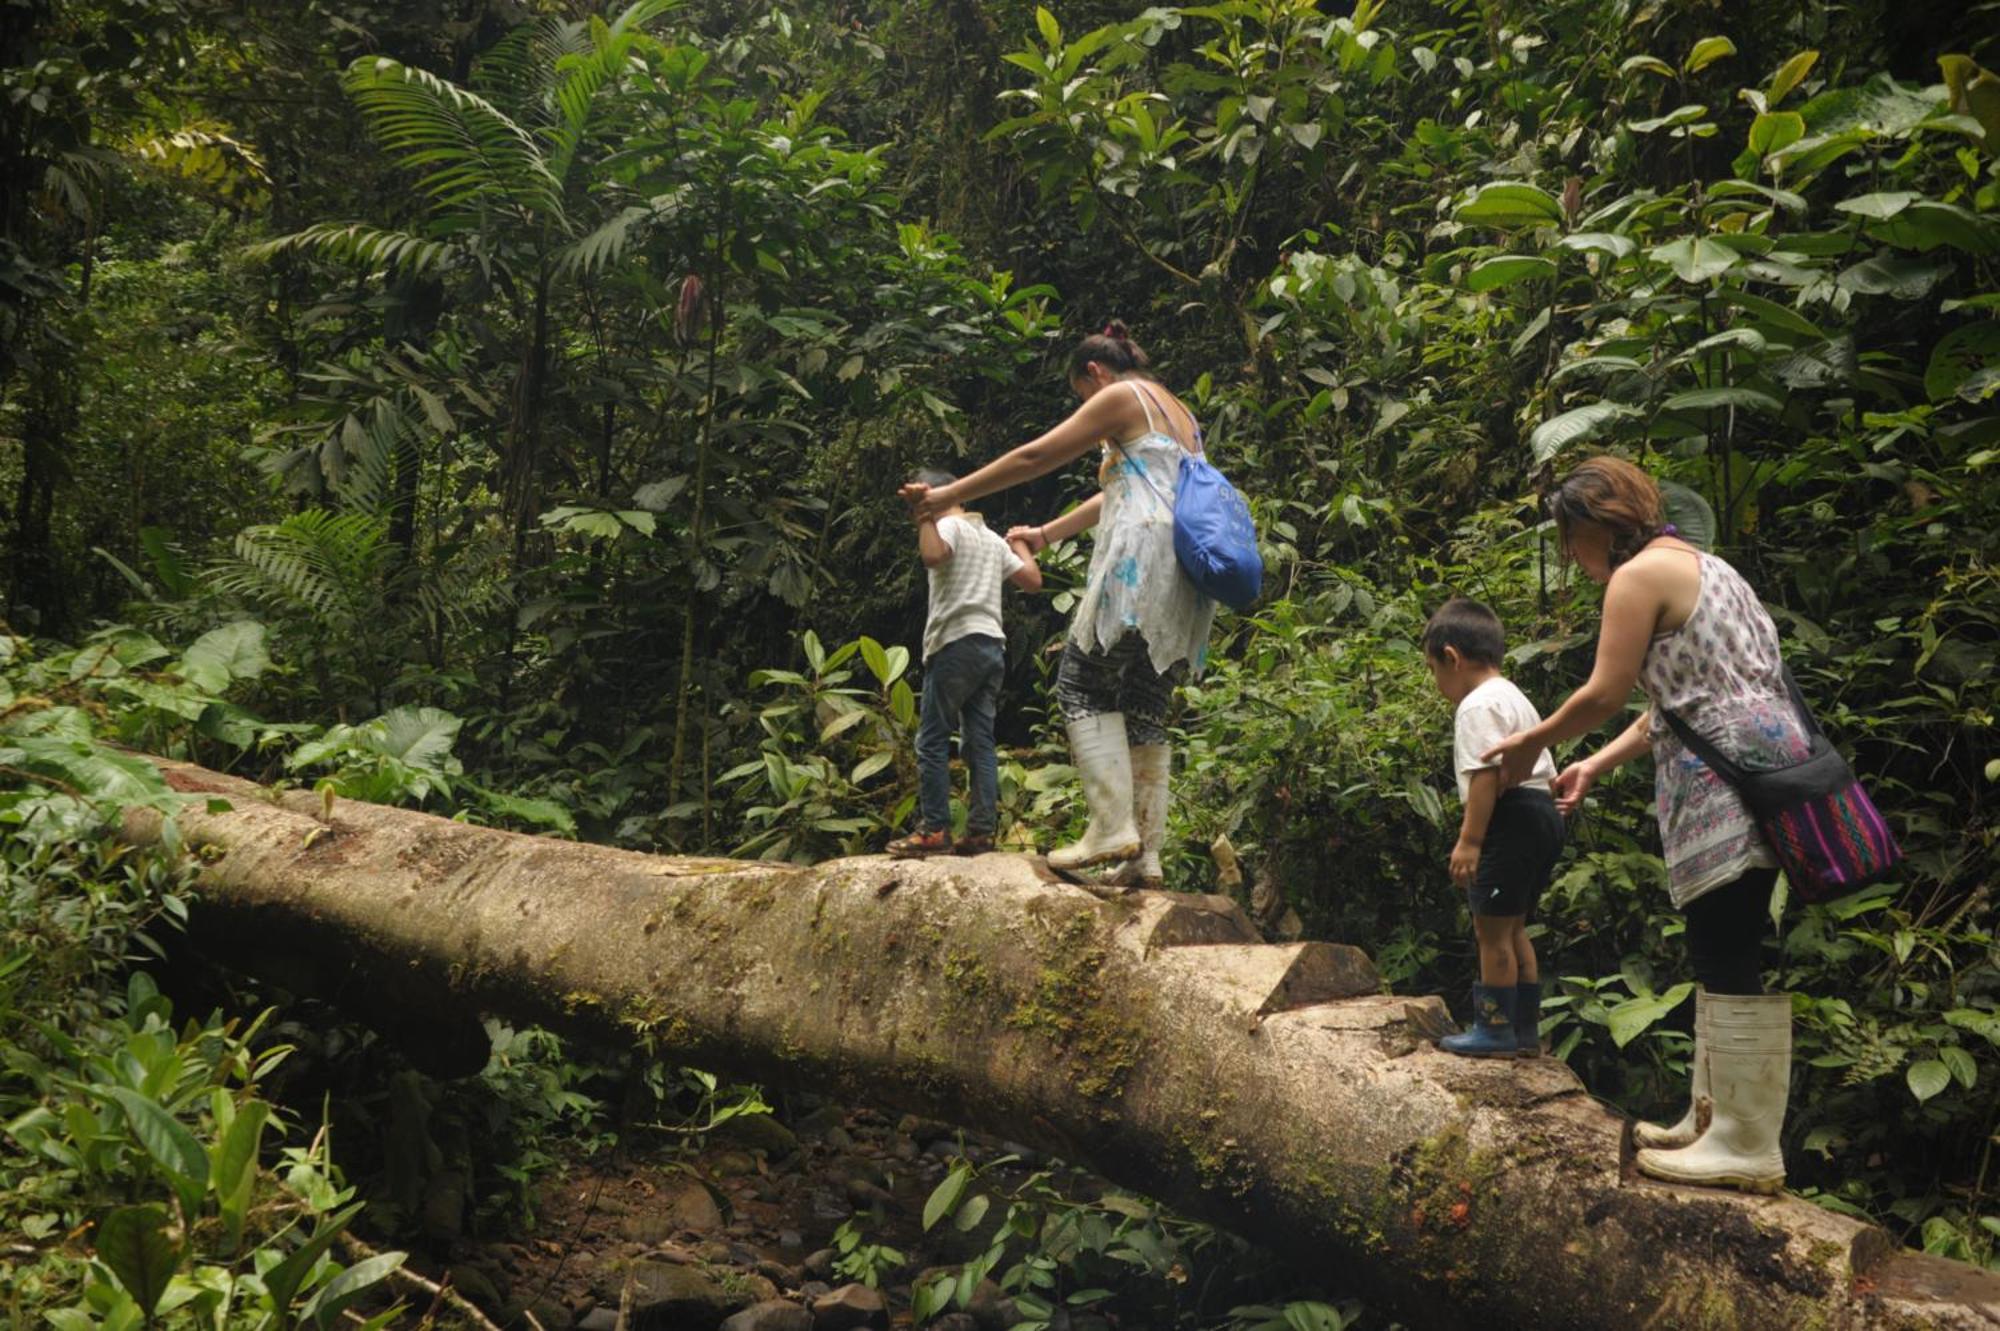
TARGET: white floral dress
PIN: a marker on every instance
(1721, 673)
(1135, 580)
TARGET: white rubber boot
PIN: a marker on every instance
(1097, 746)
(1749, 1076)
(1151, 766)
(1683, 1133)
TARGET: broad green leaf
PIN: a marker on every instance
(1964, 1069)
(1305, 133)
(283, 1280)
(220, 656)
(1711, 399)
(1963, 352)
(1706, 52)
(351, 1284)
(1898, 276)
(1927, 1077)
(233, 1167)
(870, 765)
(1926, 224)
(1553, 435)
(419, 736)
(974, 1211)
(1774, 130)
(1648, 64)
(1771, 313)
(1816, 152)
(1691, 514)
(1510, 203)
(1788, 77)
(1977, 1021)
(1632, 1018)
(1680, 115)
(1051, 30)
(944, 1197)
(1506, 269)
(1695, 258)
(1604, 241)
(1879, 206)
(133, 1242)
(168, 1141)
(1598, 365)
(876, 659)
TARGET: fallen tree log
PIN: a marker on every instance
(1272, 1089)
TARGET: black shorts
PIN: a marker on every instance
(1523, 841)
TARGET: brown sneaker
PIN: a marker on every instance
(979, 843)
(921, 844)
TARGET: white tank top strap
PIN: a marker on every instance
(1146, 404)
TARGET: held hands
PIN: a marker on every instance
(1464, 863)
(1572, 784)
(1033, 537)
(926, 503)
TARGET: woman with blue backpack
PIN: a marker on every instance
(1172, 538)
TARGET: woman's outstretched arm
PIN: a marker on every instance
(1107, 415)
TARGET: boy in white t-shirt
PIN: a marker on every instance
(965, 656)
(1508, 840)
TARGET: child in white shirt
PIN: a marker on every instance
(1508, 840)
(965, 657)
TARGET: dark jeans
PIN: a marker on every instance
(961, 691)
(1726, 929)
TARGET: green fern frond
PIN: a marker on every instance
(474, 154)
(358, 242)
(604, 246)
(329, 565)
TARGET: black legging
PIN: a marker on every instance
(1725, 933)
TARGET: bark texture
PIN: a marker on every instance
(1272, 1089)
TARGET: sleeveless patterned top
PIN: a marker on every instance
(1721, 673)
(1136, 584)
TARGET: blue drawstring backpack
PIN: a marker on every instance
(1214, 537)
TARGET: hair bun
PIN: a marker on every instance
(1117, 331)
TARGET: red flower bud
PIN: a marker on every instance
(687, 315)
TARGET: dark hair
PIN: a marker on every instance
(1113, 348)
(933, 477)
(1615, 495)
(1468, 625)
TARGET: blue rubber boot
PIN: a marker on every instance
(1528, 1019)
(1491, 1034)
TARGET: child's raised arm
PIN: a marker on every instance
(931, 544)
(1028, 577)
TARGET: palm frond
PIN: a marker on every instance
(604, 246)
(473, 154)
(328, 565)
(208, 158)
(358, 242)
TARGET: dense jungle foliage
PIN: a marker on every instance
(496, 406)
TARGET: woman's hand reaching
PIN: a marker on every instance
(1034, 538)
(1572, 784)
(1517, 755)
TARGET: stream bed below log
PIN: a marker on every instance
(741, 1235)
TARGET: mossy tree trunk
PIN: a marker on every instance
(1272, 1089)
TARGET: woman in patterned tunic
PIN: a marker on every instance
(1684, 626)
(1140, 625)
